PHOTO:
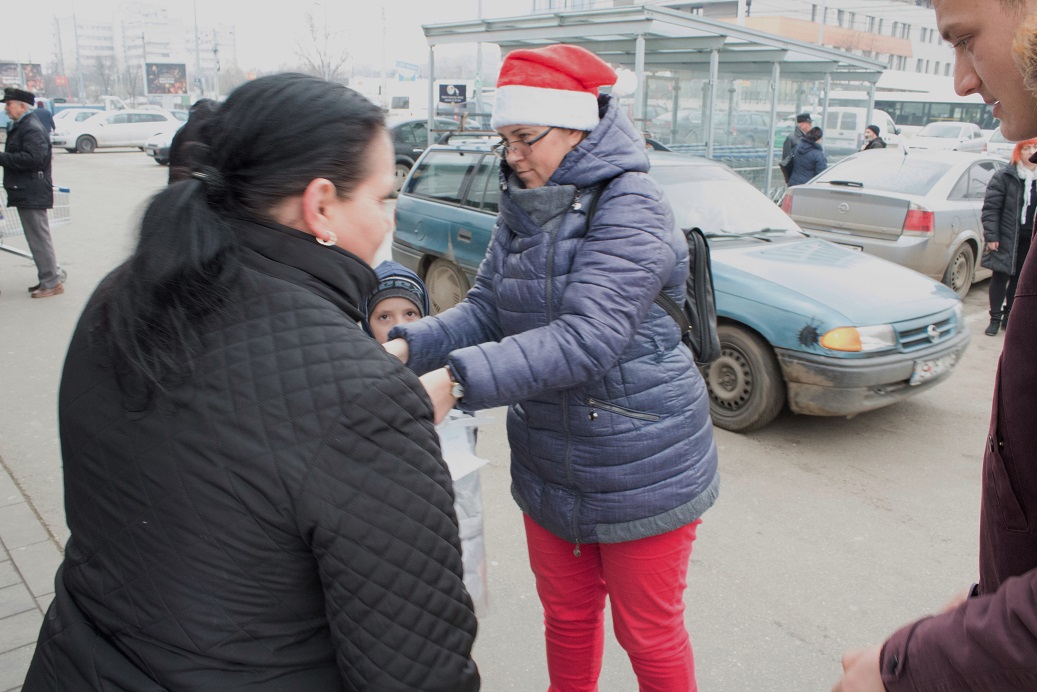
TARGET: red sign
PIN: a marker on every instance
(61, 80)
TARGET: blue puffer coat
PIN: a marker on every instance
(809, 160)
(609, 423)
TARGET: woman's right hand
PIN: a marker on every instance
(398, 348)
(993, 246)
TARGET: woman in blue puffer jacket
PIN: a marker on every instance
(810, 157)
(613, 458)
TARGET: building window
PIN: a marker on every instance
(918, 65)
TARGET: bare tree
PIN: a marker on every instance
(104, 70)
(134, 81)
(322, 50)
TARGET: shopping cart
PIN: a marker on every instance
(11, 224)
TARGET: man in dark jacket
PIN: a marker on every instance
(803, 123)
(45, 117)
(989, 640)
(872, 140)
(27, 181)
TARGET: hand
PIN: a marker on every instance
(993, 246)
(861, 671)
(438, 385)
(399, 348)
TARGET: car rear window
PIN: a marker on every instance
(441, 175)
(940, 130)
(906, 174)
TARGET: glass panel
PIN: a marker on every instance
(442, 175)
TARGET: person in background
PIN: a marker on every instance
(986, 637)
(400, 297)
(872, 140)
(253, 486)
(26, 161)
(1008, 212)
(788, 149)
(809, 159)
(613, 461)
(45, 117)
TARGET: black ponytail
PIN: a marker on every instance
(264, 144)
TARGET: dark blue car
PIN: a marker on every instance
(803, 322)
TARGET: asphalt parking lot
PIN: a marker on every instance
(828, 533)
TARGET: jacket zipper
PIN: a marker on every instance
(612, 408)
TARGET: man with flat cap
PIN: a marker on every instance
(803, 123)
(27, 181)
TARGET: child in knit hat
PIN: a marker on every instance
(401, 297)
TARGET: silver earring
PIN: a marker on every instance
(332, 239)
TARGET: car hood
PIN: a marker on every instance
(859, 288)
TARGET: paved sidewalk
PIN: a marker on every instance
(29, 557)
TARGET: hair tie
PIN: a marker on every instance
(214, 183)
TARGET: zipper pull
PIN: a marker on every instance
(593, 415)
(577, 205)
(576, 550)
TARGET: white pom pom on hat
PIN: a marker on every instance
(555, 85)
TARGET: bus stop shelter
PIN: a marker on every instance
(651, 40)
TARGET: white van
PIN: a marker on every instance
(844, 129)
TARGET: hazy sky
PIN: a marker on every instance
(267, 32)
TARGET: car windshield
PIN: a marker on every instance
(944, 130)
(693, 192)
(912, 175)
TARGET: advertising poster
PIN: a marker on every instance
(165, 78)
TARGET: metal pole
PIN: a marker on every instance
(775, 79)
(431, 95)
(197, 56)
(824, 106)
(79, 60)
(714, 74)
(478, 69)
(640, 92)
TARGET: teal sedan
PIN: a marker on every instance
(803, 323)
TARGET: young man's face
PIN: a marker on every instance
(981, 32)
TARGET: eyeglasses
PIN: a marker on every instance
(523, 147)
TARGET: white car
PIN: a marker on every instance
(998, 145)
(125, 128)
(949, 136)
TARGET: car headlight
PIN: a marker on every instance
(856, 339)
(959, 312)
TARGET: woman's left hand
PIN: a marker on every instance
(438, 385)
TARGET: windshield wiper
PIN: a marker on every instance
(756, 235)
(845, 183)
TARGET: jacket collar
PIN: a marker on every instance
(330, 272)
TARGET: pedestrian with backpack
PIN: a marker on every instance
(613, 461)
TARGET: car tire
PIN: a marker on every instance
(447, 285)
(86, 145)
(162, 162)
(960, 271)
(746, 389)
(402, 169)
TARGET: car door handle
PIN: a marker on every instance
(464, 235)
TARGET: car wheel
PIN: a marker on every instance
(402, 170)
(960, 271)
(162, 162)
(746, 390)
(86, 145)
(447, 285)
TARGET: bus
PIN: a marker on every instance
(912, 110)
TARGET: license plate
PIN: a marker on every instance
(928, 369)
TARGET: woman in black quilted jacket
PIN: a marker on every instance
(254, 487)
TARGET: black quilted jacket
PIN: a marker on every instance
(280, 520)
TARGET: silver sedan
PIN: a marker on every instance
(917, 208)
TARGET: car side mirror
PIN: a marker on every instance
(896, 130)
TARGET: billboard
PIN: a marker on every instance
(33, 74)
(165, 78)
(27, 75)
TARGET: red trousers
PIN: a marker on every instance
(644, 581)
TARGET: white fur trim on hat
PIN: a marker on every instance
(525, 105)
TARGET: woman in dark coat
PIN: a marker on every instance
(809, 159)
(1008, 210)
(254, 488)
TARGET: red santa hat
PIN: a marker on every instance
(556, 86)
